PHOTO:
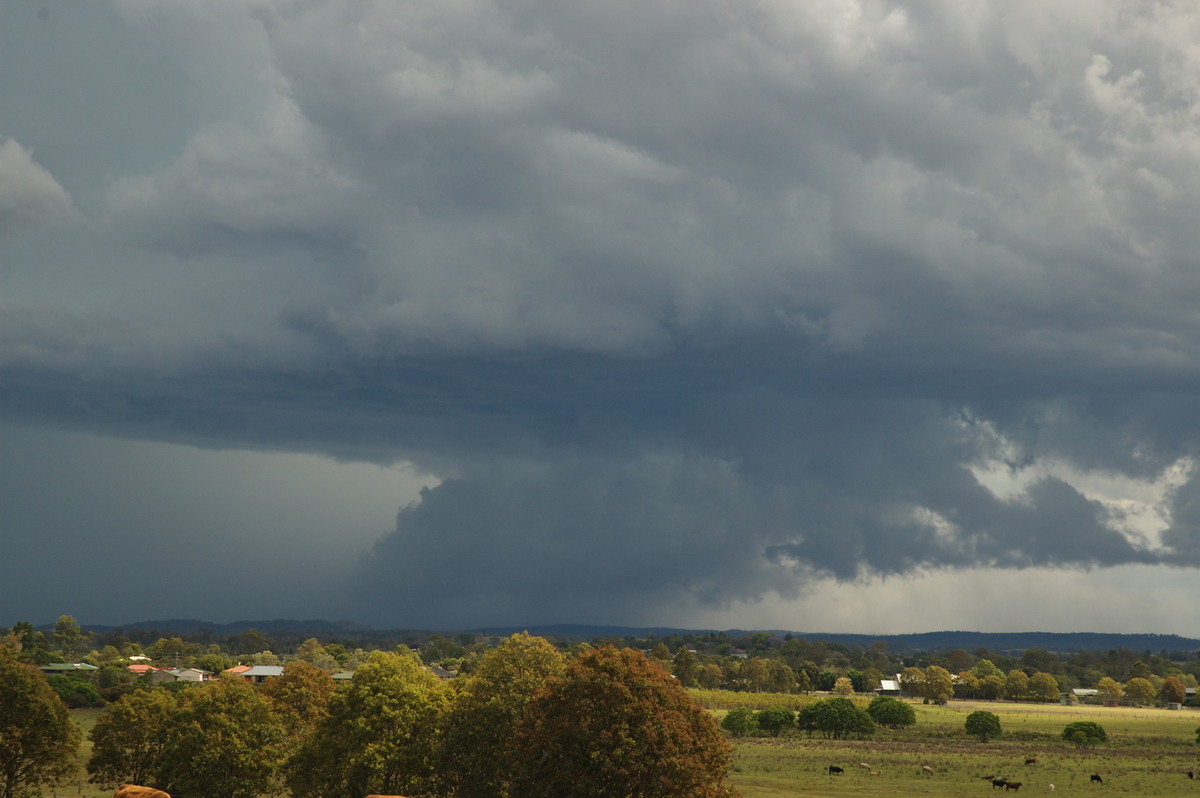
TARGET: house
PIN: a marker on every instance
(888, 687)
(260, 673)
(140, 668)
(179, 675)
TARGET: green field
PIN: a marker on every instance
(1148, 753)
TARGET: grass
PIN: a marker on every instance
(1148, 753)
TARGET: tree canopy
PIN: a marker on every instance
(983, 724)
(1084, 733)
(836, 718)
(891, 712)
(616, 724)
(38, 739)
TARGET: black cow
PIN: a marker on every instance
(998, 784)
(834, 770)
(1096, 778)
(1013, 785)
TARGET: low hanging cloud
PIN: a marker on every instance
(693, 305)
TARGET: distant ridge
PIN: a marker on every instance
(1058, 642)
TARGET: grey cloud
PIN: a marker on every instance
(708, 302)
(29, 195)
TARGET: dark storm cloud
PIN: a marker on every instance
(697, 304)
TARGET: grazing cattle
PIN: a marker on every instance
(876, 772)
(1191, 774)
(999, 783)
(1013, 785)
(1096, 778)
(1030, 761)
(1051, 788)
(864, 766)
(926, 770)
(138, 791)
(834, 770)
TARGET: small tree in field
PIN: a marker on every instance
(891, 712)
(775, 719)
(983, 724)
(1084, 733)
(740, 721)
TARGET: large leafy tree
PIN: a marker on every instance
(1044, 686)
(983, 724)
(1110, 688)
(836, 718)
(381, 734)
(938, 684)
(485, 710)
(891, 712)
(740, 721)
(1017, 684)
(774, 720)
(38, 739)
(300, 695)
(129, 738)
(225, 741)
(1172, 691)
(615, 724)
(1140, 690)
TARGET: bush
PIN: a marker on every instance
(837, 718)
(75, 691)
(1084, 733)
(739, 722)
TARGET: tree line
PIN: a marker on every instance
(529, 720)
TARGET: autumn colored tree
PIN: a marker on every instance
(38, 739)
(983, 724)
(615, 724)
(225, 741)
(486, 707)
(843, 686)
(381, 734)
(1172, 691)
(129, 738)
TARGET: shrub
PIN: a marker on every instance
(1084, 733)
(740, 721)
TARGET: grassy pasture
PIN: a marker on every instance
(1148, 753)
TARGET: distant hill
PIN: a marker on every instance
(1059, 642)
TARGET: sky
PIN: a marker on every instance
(834, 315)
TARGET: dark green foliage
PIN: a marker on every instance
(75, 691)
(891, 712)
(740, 721)
(38, 739)
(836, 718)
(983, 724)
(775, 719)
(1084, 733)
